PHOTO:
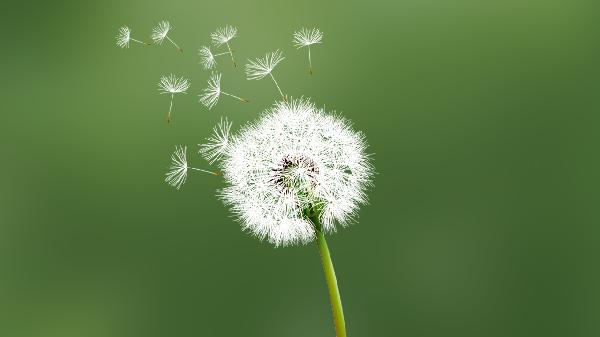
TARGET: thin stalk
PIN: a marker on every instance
(309, 61)
(232, 60)
(170, 107)
(277, 85)
(205, 171)
(332, 287)
(223, 53)
(236, 97)
(138, 41)
(173, 42)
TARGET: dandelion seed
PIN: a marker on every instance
(172, 84)
(218, 142)
(210, 95)
(259, 68)
(222, 36)
(207, 58)
(178, 170)
(124, 36)
(160, 33)
(306, 38)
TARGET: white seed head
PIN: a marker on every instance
(261, 67)
(223, 35)
(210, 95)
(171, 84)
(177, 173)
(207, 58)
(306, 37)
(123, 37)
(295, 157)
(160, 32)
(218, 142)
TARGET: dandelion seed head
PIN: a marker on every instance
(261, 67)
(171, 84)
(177, 173)
(123, 37)
(223, 35)
(306, 37)
(210, 95)
(295, 157)
(218, 142)
(207, 58)
(160, 32)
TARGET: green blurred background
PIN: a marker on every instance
(482, 117)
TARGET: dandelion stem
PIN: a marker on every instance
(232, 60)
(173, 42)
(334, 293)
(223, 53)
(277, 85)
(234, 96)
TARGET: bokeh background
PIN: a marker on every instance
(482, 117)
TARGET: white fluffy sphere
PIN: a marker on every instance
(295, 157)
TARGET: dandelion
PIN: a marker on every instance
(218, 142)
(210, 95)
(293, 176)
(306, 38)
(222, 36)
(207, 58)
(160, 33)
(259, 68)
(178, 170)
(172, 84)
(124, 36)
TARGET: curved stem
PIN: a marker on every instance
(334, 293)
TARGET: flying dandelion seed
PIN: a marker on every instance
(218, 142)
(210, 95)
(160, 33)
(259, 68)
(178, 170)
(207, 58)
(124, 37)
(222, 36)
(172, 84)
(306, 38)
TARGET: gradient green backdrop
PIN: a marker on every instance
(482, 117)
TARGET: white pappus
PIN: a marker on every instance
(210, 95)
(171, 84)
(161, 32)
(208, 58)
(178, 170)
(124, 37)
(305, 38)
(222, 36)
(260, 67)
(295, 157)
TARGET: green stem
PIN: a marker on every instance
(334, 293)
